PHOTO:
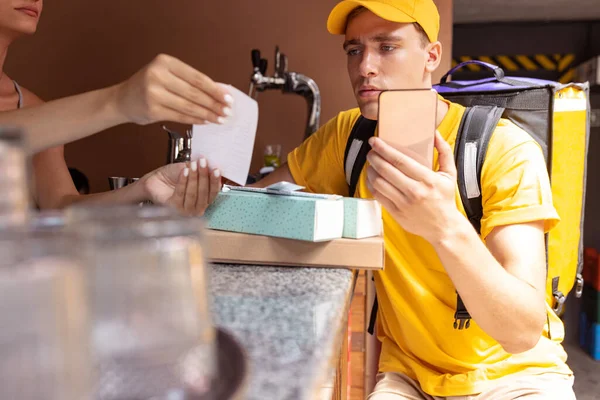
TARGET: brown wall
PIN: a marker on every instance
(83, 45)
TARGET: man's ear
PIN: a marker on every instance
(434, 57)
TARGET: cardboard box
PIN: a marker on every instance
(589, 336)
(301, 216)
(241, 248)
(590, 303)
(362, 218)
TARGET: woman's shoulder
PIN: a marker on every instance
(29, 98)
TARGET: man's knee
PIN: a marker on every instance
(394, 386)
(544, 386)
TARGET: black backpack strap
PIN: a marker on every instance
(473, 137)
(476, 129)
(357, 148)
(355, 157)
(373, 317)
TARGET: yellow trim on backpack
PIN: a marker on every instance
(568, 166)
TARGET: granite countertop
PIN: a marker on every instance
(288, 319)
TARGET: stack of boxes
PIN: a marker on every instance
(590, 314)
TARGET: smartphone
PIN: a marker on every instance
(406, 121)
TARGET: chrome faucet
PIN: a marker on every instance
(180, 146)
(180, 150)
(288, 82)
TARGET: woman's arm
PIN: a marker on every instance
(190, 188)
(165, 90)
(52, 181)
(189, 191)
(53, 186)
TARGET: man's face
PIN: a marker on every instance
(383, 55)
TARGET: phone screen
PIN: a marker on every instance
(407, 122)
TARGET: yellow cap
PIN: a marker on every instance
(423, 12)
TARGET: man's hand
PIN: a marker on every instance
(189, 187)
(420, 200)
(169, 90)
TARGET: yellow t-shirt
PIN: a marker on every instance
(417, 299)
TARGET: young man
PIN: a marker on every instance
(432, 251)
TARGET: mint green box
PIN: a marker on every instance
(293, 217)
(362, 218)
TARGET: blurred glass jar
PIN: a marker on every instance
(44, 326)
(272, 155)
(14, 202)
(151, 324)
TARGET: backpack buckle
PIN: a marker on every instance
(559, 304)
(462, 320)
(579, 286)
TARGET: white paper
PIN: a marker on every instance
(229, 147)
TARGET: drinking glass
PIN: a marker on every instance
(152, 335)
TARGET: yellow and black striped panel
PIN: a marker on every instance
(562, 64)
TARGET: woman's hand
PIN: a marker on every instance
(189, 187)
(169, 90)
